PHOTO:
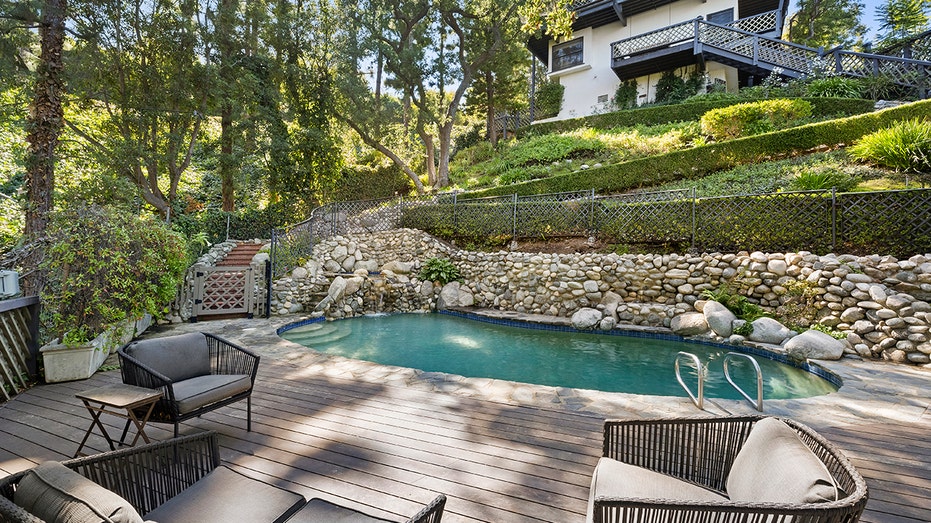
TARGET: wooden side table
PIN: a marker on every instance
(122, 400)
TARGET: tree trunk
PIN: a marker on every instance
(490, 109)
(44, 124)
(226, 159)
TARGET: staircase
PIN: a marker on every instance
(241, 255)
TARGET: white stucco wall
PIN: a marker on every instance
(585, 83)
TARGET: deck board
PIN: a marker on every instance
(388, 449)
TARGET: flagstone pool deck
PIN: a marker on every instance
(387, 439)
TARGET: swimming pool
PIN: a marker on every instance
(614, 363)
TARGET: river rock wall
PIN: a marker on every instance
(879, 302)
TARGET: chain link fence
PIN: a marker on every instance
(886, 222)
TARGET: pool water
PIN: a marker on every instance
(445, 343)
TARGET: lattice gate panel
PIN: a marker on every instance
(891, 222)
(224, 290)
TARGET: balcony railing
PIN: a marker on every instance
(739, 40)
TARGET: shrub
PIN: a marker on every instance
(106, 266)
(905, 147)
(441, 270)
(835, 87)
(814, 179)
(752, 118)
(699, 161)
(549, 99)
(625, 97)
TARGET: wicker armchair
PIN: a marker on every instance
(701, 452)
(196, 372)
(146, 476)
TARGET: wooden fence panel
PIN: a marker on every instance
(19, 328)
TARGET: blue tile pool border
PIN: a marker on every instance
(813, 368)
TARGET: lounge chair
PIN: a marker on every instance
(749, 469)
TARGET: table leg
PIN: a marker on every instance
(140, 424)
(95, 413)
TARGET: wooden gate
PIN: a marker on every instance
(223, 290)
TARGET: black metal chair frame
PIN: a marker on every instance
(225, 358)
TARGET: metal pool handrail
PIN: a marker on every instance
(759, 379)
(700, 399)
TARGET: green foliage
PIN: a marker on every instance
(691, 110)
(549, 99)
(904, 146)
(835, 87)
(815, 179)
(745, 329)
(752, 118)
(826, 23)
(739, 304)
(830, 331)
(106, 266)
(441, 270)
(699, 161)
(625, 97)
(671, 88)
(900, 19)
(359, 182)
(798, 309)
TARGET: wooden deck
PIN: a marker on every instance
(388, 449)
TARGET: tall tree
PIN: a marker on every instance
(826, 23)
(501, 85)
(900, 19)
(228, 57)
(432, 50)
(44, 125)
(146, 65)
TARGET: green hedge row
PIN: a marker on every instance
(684, 112)
(702, 160)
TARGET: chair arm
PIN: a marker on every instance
(432, 513)
(228, 358)
(136, 373)
(700, 450)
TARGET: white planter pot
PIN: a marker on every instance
(69, 362)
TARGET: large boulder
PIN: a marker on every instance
(768, 330)
(586, 318)
(611, 301)
(689, 324)
(815, 345)
(719, 318)
(454, 294)
(398, 267)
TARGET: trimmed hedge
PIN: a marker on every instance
(684, 112)
(699, 161)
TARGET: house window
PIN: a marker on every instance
(722, 17)
(567, 54)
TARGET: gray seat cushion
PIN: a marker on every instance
(616, 479)
(177, 357)
(775, 466)
(320, 511)
(53, 492)
(224, 496)
(193, 393)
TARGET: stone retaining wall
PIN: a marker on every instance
(881, 303)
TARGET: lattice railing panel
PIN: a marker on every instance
(664, 37)
(17, 323)
(646, 217)
(890, 222)
(761, 23)
(770, 222)
(904, 72)
(554, 214)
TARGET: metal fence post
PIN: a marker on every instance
(833, 218)
(514, 217)
(694, 206)
(591, 217)
(455, 211)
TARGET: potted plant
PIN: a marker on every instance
(106, 269)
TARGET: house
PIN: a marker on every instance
(621, 40)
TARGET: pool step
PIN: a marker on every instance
(319, 333)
